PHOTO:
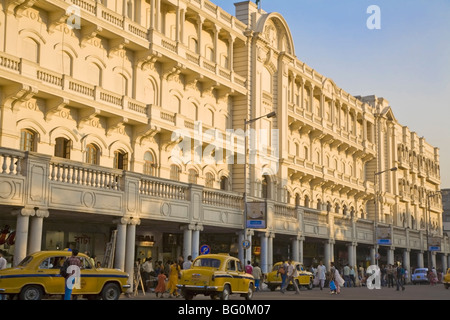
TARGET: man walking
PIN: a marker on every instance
(257, 274)
(291, 276)
(321, 274)
(347, 276)
(399, 276)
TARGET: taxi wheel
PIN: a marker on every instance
(226, 293)
(31, 293)
(250, 291)
(111, 291)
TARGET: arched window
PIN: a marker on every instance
(149, 164)
(288, 197)
(120, 160)
(92, 154)
(192, 176)
(224, 183)
(306, 201)
(121, 84)
(305, 152)
(175, 172)
(30, 49)
(319, 204)
(94, 76)
(62, 148)
(265, 187)
(297, 199)
(209, 181)
(27, 140)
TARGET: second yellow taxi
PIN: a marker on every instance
(304, 278)
(217, 276)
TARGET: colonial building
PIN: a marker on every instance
(128, 118)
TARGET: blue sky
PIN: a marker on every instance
(407, 61)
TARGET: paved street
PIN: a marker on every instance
(412, 292)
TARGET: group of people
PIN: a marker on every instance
(167, 275)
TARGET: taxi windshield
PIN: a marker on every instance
(207, 262)
(25, 261)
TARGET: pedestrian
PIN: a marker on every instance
(347, 276)
(147, 268)
(292, 274)
(73, 260)
(352, 276)
(3, 263)
(390, 273)
(257, 274)
(161, 287)
(321, 274)
(248, 267)
(188, 263)
(332, 282)
(383, 271)
(175, 273)
(338, 280)
(399, 276)
(282, 270)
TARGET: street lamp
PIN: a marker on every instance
(246, 123)
(376, 207)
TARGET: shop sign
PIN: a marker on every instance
(7, 236)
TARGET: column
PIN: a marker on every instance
(177, 24)
(264, 252)
(420, 263)
(200, 28)
(130, 248)
(187, 240)
(326, 255)
(373, 260)
(20, 248)
(196, 241)
(407, 262)
(248, 252)
(300, 251)
(216, 44)
(35, 234)
(270, 251)
(240, 248)
(444, 262)
(311, 102)
(294, 254)
(433, 259)
(152, 14)
(390, 255)
(121, 239)
(231, 52)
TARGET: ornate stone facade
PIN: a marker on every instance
(91, 119)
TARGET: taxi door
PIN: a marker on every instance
(243, 280)
(89, 278)
(235, 276)
(303, 278)
(48, 274)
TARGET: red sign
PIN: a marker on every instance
(7, 236)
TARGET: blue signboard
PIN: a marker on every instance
(205, 249)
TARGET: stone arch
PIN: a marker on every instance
(281, 32)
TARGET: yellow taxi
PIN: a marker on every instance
(447, 279)
(217, 276)
(37, 276)
(304, 278)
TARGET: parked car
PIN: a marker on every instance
(420, 276)
(37, 276)
(305, 278)
(447, 279)
(217, 276)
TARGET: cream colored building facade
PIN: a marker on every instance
(90, 119)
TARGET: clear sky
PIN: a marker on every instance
(407, 61)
